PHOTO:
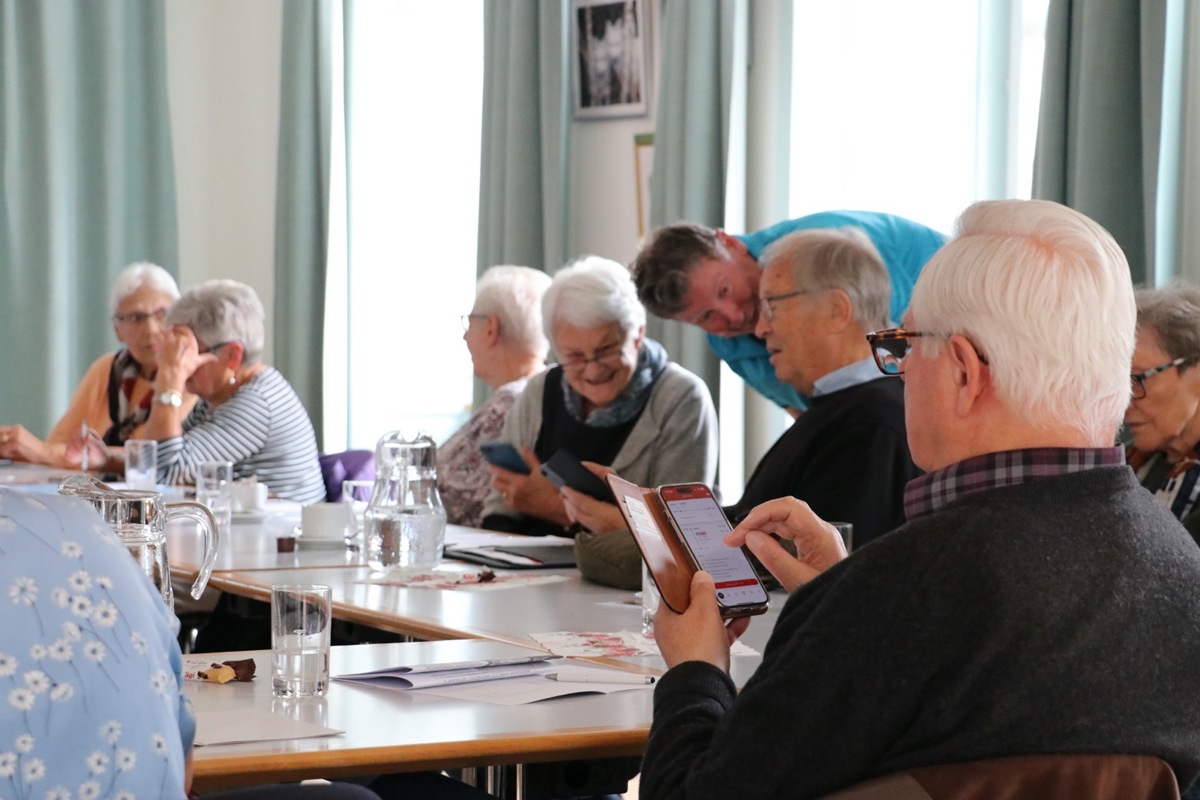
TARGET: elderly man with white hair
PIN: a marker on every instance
(614, 399)
(1037, 601)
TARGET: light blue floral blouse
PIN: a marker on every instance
(89, 667)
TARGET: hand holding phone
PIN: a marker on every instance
(505, 456)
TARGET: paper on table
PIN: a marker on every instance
(519, 691)
(230, 727)
(424, 675)
(621, 644)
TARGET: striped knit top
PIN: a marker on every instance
(263, 429)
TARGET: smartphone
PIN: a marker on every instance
(701, 526)
(564, 469)
(503, 454)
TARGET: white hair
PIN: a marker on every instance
(1044, 293)
(220, 311)
(137, 275)
(514, 296)
(821, 259)
(591, 292)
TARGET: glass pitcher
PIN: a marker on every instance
(139, 518)
(405, 522)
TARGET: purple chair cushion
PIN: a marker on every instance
(348, 465)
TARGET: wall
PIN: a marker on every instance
(223, 68)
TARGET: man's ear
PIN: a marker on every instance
(839, 309)
(733, 245)
(971, 378)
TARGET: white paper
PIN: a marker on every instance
(230, 727)
(429, 675)
(519, 691)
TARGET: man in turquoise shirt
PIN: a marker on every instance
(709, 278)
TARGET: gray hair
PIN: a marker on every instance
(514, 296)
(220, 311)
(822, 259)
(1044, 293)
(137, 275)
(1172, 314)
(663, 267)
(591, 292)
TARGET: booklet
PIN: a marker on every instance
(421, 676)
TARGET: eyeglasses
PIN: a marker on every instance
(766, 305)
(1137, 381)
(208, 349)
(890, 347)
(141, 317)
(466, 320)
(576, 362)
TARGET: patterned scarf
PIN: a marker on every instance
(122, 379)
(652, 360)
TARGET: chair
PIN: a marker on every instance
(1029, 777)
(348, 465)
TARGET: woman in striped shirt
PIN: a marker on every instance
(247, 413)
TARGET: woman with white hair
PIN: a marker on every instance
(247, 413)
(504, 335)
(114, 397)
(614, 399)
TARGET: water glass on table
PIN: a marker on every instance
(356, 495)
(846, 531)
(301, 619)
(141, 464)
(214, 488)
(650, 600)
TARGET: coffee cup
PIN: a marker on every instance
(325, 522)
(249, 496)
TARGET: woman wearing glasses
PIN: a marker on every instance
(614, 399)
(113, 400)
(504, 335)
(1163, 417)
(247, 413)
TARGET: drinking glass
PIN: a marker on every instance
(214, 488)
(141, 464)
(846, 530)
(356, 495)
(650, 600)
(301, 618)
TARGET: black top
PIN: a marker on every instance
(847, 457)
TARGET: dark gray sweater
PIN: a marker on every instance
(1059, 615)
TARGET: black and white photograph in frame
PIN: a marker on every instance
(610, 39)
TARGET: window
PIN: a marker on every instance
(413, 113)
(905, 107)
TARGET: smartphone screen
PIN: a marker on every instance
(503, 454)
(702, 525)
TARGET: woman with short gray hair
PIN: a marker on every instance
(113, 398)
(615, 400)
(247, 413)
(1163, 417)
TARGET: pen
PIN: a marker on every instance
(566, 675)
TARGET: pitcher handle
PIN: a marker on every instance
(208, 527)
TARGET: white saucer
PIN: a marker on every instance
(249, 517)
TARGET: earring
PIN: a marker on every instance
(232, 379)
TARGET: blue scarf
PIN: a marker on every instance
(651, 362)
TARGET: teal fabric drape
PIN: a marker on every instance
(302, 202)
(1099, 131)
(526, 108)
(691, 142)
(88, 185)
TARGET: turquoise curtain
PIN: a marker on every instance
(302, 202)
(524, 162)
(698, 41)
(88, 185)
(1100, 128)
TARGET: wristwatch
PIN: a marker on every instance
(169, 397)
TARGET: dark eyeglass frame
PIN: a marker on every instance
(208, 349)
(891, 346)
(766, 309)
(141, 317)
(1137, 380)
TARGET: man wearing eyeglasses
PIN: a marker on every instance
(1037, 601)
(847, 457)
(709, 278)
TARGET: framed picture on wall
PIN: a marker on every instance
(610, 42)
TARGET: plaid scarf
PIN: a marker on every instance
(122, 378)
